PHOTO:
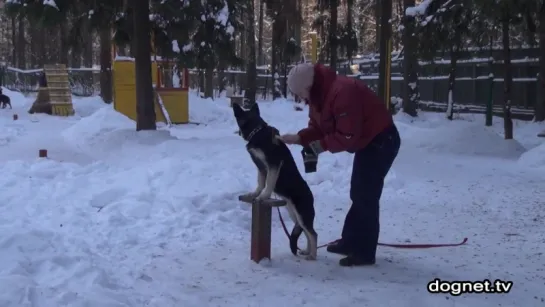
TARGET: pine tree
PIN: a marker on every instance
(446, 26)
(197, 33)
(505, 14)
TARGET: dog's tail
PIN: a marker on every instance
(294, 237)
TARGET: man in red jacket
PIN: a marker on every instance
(345, 115)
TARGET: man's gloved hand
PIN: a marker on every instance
(310, 159)
(316, 147)
(290, 139)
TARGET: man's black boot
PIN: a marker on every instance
(339, 247)
(354, 260)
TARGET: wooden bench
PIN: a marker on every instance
(261, 227)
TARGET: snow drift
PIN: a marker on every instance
(107, 129)
(462, 138)
(534, 158)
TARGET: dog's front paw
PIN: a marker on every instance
(248, 197)
(310, 257)
(261, 198)
(304, 252)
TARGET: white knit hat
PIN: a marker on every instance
(300, 79)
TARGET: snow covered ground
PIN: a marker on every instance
(119, 218)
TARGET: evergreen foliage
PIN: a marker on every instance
(196, 33)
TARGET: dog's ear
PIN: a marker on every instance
(237, 109)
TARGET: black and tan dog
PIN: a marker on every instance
(278, 173)
(4, 100)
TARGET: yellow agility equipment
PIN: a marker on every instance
(171, 103)
(54, 95)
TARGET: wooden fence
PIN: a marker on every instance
(83, 81)
(476, 79)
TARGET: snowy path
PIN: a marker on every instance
(117, 218)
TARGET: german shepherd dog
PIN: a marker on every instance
(4, 100)
(278, 173)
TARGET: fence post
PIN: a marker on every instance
(540, 93)
(490, 102)
(474, 83)
(2, 73)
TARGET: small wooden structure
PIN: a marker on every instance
(541, 134)
(261, 227)
(171, 104)
(54, 95)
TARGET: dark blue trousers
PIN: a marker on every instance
(371, 164)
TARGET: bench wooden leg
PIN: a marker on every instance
(261, 232)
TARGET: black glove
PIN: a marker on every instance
(316, 147)
(310, 159)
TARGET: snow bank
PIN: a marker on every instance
(17, 98)
(108, 132)
(534, 158)
(208, 111)
(281, 114)
(157, 216)
(87, 106)
(461, 138)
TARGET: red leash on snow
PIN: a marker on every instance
(419, 246)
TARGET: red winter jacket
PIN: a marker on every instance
(345, 115)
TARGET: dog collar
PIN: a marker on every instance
(253, 133)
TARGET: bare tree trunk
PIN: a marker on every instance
(277, 32)
(350, 25)
(242, 36)
(14, 41)
(507, 79)
(251, 71)
(540, 105)
(87, 54)
(42, 51)
(106, 91)
(209, 81)
(21, 43)
(378, 13)
(410, 64)
(145, 102)
(261, 54)
(33, 43)
(333, 41)
(452, 81)
(201, 83)
(63, 52)
(222, 81)
(75, 57)
(51, 46)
